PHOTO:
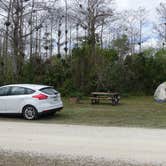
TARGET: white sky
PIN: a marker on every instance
(129, 4)
(150, 6)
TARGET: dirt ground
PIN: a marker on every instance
(113, 144)
(25, 159)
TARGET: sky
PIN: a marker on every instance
(151, 38)
(130, 4)
(150, 6)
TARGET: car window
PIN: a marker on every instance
(20, 91)
(4, 91)
(29, 91)
(49, 91)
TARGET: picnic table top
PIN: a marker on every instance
(104, 93)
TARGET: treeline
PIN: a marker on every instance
(79, 47)
(77, 74)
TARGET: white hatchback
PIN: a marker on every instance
(30, 100)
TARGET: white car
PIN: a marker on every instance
(29, 100)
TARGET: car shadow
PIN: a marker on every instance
(10, 116)
(49, 116)
(15, 117)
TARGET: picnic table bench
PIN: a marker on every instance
(97, 96)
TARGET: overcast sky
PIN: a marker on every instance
(129, 4)
(150, 6)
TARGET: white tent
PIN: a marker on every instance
(160, 93)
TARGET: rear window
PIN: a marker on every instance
(49, 91)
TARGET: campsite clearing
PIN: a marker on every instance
(132, 111)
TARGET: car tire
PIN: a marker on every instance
(30, 113)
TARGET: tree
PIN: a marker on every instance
(90, 15)
(161, 28)
(130, 23)
(21, 22)
(121, 45)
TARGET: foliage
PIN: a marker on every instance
(78, 75)
(140, 111)
(99, 61)
(121, 45)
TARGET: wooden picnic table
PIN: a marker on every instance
(96, 97)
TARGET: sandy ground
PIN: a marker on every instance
(131, 145)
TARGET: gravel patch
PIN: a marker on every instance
(31, 159)
(108, 145)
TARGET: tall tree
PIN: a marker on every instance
(130, 23)
(20, 22)
(161, 28)
(121, 45)
(90, 15)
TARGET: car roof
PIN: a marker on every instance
(31, 86)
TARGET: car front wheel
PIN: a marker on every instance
(30, 112)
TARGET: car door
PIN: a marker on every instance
(3, 98)
(16, 97)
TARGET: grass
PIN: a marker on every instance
(131, 112)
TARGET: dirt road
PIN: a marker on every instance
(111, 143)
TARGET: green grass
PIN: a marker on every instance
(132, 112)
